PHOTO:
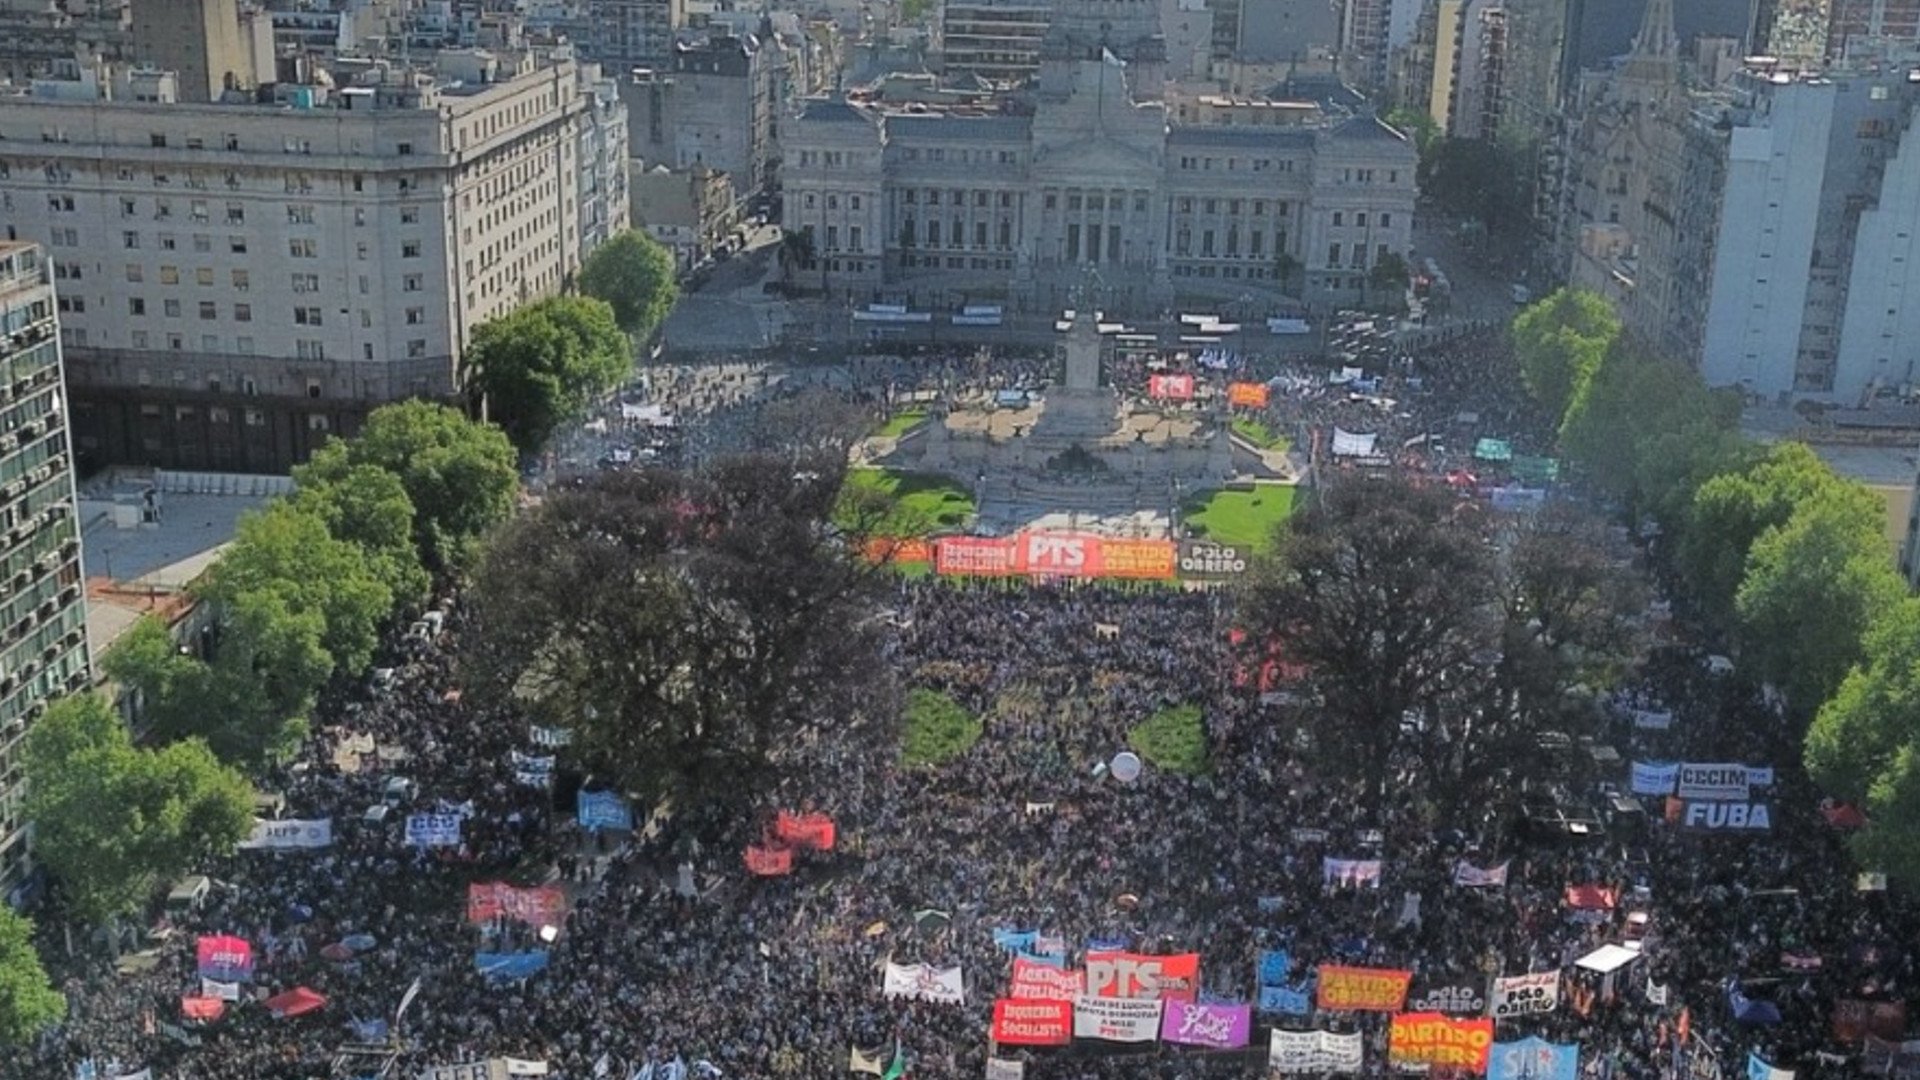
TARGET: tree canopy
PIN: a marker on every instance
(1732, 510)
(634, 274)
(543, 365)
(1560, 341)
(28, 1002)
(1864, 744)
(113, 821)
(688, 626)
(458, 474)
(368, 507)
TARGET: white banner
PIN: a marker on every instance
(1472, 877)
(551, 736)
(1353, 444)
(1524, 995)
(289, 835)
(1656, 993)
(521, 1067)
(225, 991)
(472, 1070)
(1314, 1052)
(925, 982)
(433, 830)
(1116, 1019)
(1350, 873)
(1653, 777)
(1718, 782)
(147, 1074)
(1002, 1069)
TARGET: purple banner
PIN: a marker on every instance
(1221, 1027)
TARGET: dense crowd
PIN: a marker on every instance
(673, 962)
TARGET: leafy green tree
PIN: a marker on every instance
(1390, 276)
(1733, 509)
(541, 366)
(1419, 126)
(687, 625)
(1813, 587)
(112, 821)
(251, 704)
(1560, 342)
(634, 274)
(368, 507)
(286, 552)
(458, 474)
(1864, 744)
(28, 1002)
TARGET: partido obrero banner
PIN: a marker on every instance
(1433, 1039)
(1349, 989)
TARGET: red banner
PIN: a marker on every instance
(545, 905)
(1034, 980)
(769, 861)
(812, 831)
(1431, 1038)
(974, 556)
(1253, 395)
(1854, 1019)
(1132, 975)
(1170, 387)
(1350, 989)
(1154, 560)
(881, 550)
(202, 1008)
(1032, 1023)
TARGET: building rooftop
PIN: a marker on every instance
(164, 555)
(1205, 135)
(949, 126)
(1368, 127)
(833, 111)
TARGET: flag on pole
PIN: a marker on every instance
(1107, 58)
(897, 1069)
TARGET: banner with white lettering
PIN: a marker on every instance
(1037, 981)
(1350, 873)
(1524, 995)
(433, 830)
(1726, 816)
(1653, 777)
(1314, 1052)
(1004, 1069)
(551, 736)
(925, 982)
(290, 835)
(1117, 1019)
(1719, 782)
(531, 770)
(1470, 876)
(225, 991)
(470, 1070)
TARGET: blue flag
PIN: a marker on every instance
(1534, 1059)
(603, 810)
(1286, 1000)
(1274, 966)
(510, 965)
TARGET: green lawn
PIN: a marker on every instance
(923, 502)
(1260, 435)
(899, 424)
(937, 729)
(1241, 518)
(1173, 739)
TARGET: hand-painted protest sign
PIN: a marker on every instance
(1432, 1039)
(1653, 777)
(1524, 995)
(1117, 1019)
(1351, 989)
(1313, 1052)
(224, 958)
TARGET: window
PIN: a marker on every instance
(303, 247)
(306, 283)
(130, 240)
(1360, 219)
(170, 308)
(208, 310)
(202, 243)
(1386, 221)
(139, 339)
(169, 275)
(203, 276)
(136, 305)
(409, 215)
(157, 140)
(197, 210)
(75, 304)
(853, 201)
(410, 283)
(416, 348)
(241, 280)
(299, 214)
(243, 345)
(237, 245)
(1333, 254)
(1338, 218)
(404, 149)
(254, 418)
(416, 316)
(127, 208)
(243, 313)
(167, 242)
(310, 349)
(306, 316)
(410, 249)
(135, 273)
(236, 214)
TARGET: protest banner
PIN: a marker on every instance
(469, 1070)
(550, 736)
(1653, 777)
(1032, 1022)
(532, 770)
(290, 835)
(1469, 876)
(1351, 989)
(1034, 979)
(202, 1008)
(1524, 995)
(433, 830)
(1716, 782)
(1759, 1068)
(1290, 1052)
(214, 988)
(814, 832)
(1534, 1058)
(1174, 387)
(603, 810)
(1014, 941)
(1205, 560)
(537, 906)
(1218, 1027)
(1006, 1069)
(769, 861)
(1117, 1019)
(520, 965)
(1274, 968)
(1432, 1039)
(1131, 975)
(1854, 1019)
(1454, 999)
(974, 556)
(924, 982)
(1286, 1000)
(223, 958)
(1247, 395)
(1350, 873)
(1726, 816)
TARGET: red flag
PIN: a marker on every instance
(769, 861)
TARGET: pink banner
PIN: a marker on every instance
(543, 906)
(1221, 1027)
(1034, 980)
(1171, 387)
(224, 958)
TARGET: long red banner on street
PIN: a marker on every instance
(1045, 554)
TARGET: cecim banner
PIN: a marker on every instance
(1534, 1059)
(1116, 1019)
(1032, 1023)
(1350, 989)
(1313, 1052)
(1718, 782)
(1433, 1039)
(1035, 980)
(1130, 975)
(1524, 995)
(545, 905)
(290, 835)
(1220, 1027)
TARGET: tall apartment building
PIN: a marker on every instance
(714, 110)
(996, 40)
(38, 39)
(210, 44)
(1372, 34)
(625, 34)
(240, 281)
(43, 617)
(1834, 30)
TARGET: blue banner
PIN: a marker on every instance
(603, 810)
(1052, 960)
(1534, 1059)
(368, 1030)
(1274, 966)
(1108, 944)
(510, 965)
(433, 830)
(1287, 1000)
(1015, 940)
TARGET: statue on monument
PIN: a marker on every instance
(1083, 336)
